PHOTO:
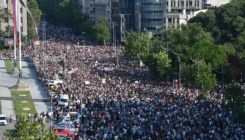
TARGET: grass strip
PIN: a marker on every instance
(21, 94)
(9, 65)
(19, 105)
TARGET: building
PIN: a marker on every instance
(215, 3)
(97, 8)
(151, 15)
(137, 15)
(6, 6)
(180, 11)
(176, 19)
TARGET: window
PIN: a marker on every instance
(6, 1)
(21, 20)
(20, 10)
(122, 19)
(21, 28)
(122, 28)
(190, 3)
(6, 19)
(122, 35)
(6, 10)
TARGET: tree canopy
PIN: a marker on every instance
(101, 31)
(28, 129)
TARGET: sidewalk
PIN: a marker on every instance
(30, 78)
(6, 82)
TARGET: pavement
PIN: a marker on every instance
(36, 89)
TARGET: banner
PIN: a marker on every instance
(108, 69)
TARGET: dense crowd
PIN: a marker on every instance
(125, 100)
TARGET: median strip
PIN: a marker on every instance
(9, 65)
(23, 106)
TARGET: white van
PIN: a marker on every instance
(3, 119)
(64, 99)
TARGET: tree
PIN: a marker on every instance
(36, 13)
(235, 100)
(101, 31)
(235, 67)
(159, 63)
(205, 79)
(135, 46)
(28, 129)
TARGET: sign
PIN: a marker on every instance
(103, 80)
(142, 64)
(8, 42)
(108, 69)
(36, 42)
(87, 82)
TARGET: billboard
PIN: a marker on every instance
(8, 42)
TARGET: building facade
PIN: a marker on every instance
(151, 15)
(5, 6)
(97, 8)
(180, 11)
(215, 3)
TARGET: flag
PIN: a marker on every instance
(90, 51)
(33, 19)
(15, 20)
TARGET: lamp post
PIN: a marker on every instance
(51, 112)
(241, 78)
(179, 59)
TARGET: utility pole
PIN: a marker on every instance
(179, 59)
(241, 78)
(44, 46)
(113, 36)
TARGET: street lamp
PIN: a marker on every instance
(179, 59)
(198, 61)
(241, 78)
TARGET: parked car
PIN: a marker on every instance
(3, 119)
(64, 132)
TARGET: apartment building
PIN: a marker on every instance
(180, 11)
(97, 8)
(6, 6)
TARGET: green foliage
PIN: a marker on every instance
(159, 63)
(226, 24)
(36, 13)
(9, 29)
(68, 13)
(235, 100)
(101, 31)
(134, 46)
(191, 40)
(28, 129)
(205, 77)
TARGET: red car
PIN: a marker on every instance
(63, 131)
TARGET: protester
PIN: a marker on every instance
(122, 99)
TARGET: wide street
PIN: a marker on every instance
(36, 89)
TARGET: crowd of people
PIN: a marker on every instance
(123, 99)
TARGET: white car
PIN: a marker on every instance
(3, 119)
(54, 82)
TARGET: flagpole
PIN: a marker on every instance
(15, 68)
(20, 85)
(19, 19)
